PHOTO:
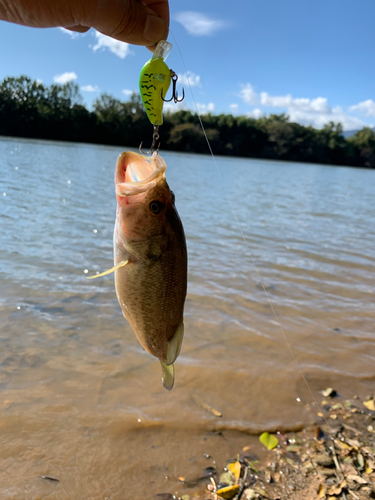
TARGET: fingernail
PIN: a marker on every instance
(155, 29)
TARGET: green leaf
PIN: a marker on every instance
(268, 440)
(228, 478)
(251, 465)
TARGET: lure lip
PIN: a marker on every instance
(133, 188)
(162, 50)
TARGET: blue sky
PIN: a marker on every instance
(313, 60)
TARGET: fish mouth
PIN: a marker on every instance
(136, 174)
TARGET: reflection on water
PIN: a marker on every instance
(81, 400)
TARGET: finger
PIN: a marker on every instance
(160, 7)
(130, 21)
(78, 28)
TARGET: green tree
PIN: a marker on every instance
(364, 142)
(30, 109)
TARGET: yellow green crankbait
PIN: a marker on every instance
(154, 82)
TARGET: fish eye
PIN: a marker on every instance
(155, 207)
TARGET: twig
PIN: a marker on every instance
(332, 448)
(214, 486)
(354, 495)
(50, 478)
(346, 426)
(242, 488)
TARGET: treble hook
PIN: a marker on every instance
(174, 91)
(155, 137)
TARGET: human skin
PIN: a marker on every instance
(129, 21)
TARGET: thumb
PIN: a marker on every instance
(131, 21)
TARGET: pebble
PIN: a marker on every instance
(323, 459)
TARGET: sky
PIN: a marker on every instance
(313, 60)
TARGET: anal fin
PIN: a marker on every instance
(174, 344)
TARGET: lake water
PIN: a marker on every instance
(82, 402)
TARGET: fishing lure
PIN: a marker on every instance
(154, 82)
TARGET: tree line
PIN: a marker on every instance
(30, 109)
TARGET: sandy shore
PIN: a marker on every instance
(334, 458)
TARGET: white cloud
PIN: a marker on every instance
(319, 120)
(127, 92)
(318, 105)
(366, 108)
(189, 78)
(255, 113)
(90, 88)
(233, 107)
(248, 94)
(172, 107)
(121, 49)
(198, 24)
(205, 108)
(38, 80)
(65, 78)
(72, 34)
(316, 112)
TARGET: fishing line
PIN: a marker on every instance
(248, 248)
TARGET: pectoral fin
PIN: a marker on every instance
(174, 345)
(167, 375)
(112, 270)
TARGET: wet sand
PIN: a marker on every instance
(330, 459)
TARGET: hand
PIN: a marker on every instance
(129, 21)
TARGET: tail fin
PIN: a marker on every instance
(167, 375)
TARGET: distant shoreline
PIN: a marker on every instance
(123, 147)
(29, 109)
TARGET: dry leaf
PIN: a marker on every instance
(235, 468)
(360, 461)
(321, 491)
(356, 479)
(370, 404)
(336, 489)
(370, 466)
(329, 393)
(228, 492)
(342, 445)
(353, 442)
(293, 448)
(291, 462)
(249, 494)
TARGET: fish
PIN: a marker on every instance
(150, 258)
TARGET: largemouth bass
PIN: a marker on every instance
(150, 258)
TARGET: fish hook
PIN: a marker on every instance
(174, 91)
(155, 138)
